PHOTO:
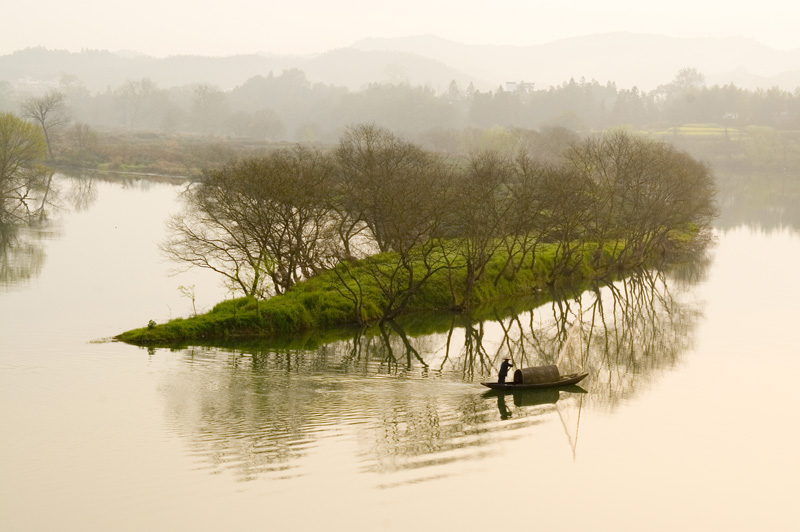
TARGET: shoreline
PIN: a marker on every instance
(315, 309)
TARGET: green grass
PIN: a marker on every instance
(319, 304)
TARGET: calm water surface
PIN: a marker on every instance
(688, 420)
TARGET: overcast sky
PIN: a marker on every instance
(171, 27)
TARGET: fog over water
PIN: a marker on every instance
(687, 419)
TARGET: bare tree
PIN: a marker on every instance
(139, 100)
(262, 223)
(50, 112)
(375, 167)
(479, 205)
(400, 192)
(569, 207)
(524, 223)
(642, 189)
(412, 222)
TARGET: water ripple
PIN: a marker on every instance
(268, 424)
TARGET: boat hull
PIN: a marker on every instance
(565, 380)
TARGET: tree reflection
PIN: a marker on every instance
(637, 331)
(239, 419)
(410, 401)
(80, 192)
(22, 250)
(21, 255)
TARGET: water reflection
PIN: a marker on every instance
(246, 422)
(768, 200)
(520, 398)
(22, 245)
(79, 192)
(409, 404)
(274, 424)
(22, 254)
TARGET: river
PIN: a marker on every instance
(688, 419)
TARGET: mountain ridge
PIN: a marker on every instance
(623, 58)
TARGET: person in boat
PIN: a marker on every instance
(501, 377)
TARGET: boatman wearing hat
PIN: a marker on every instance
(501, 377)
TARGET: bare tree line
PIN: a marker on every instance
(385, 215)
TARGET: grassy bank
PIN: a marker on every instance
(322, 304)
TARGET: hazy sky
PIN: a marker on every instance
(169, 27)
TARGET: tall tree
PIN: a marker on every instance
(524, 225)
(376, 172)
(398, 190)
(480, 204)
(50, 112)
(642, 189)
(22, 146)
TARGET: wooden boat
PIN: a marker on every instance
(533, 396)
(563, 380)
(531, 392)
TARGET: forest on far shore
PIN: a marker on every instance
(288, 107)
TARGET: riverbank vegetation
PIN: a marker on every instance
(379, 227)
(289, 107)
(24, 180)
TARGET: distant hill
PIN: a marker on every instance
(627, 59)
(101, 69)
(346, 67)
